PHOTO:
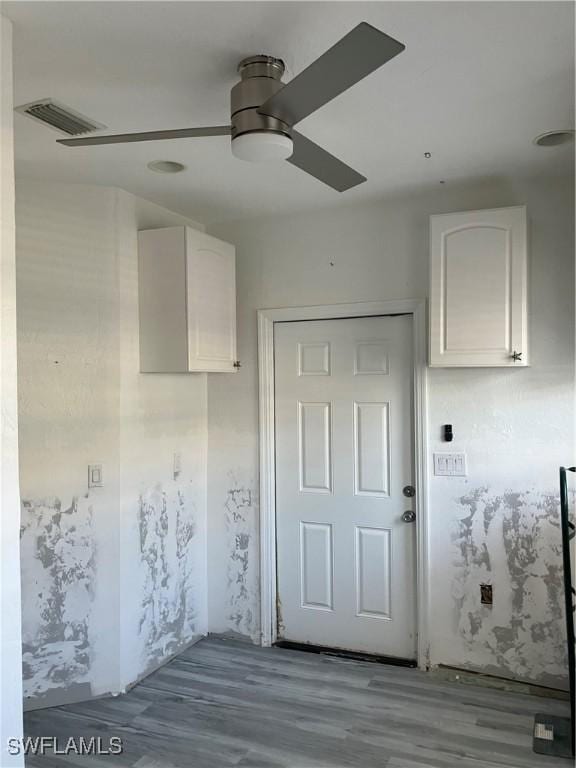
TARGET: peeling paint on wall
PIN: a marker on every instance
(166, 527)
(240, 510)
(511, 541)
(58, 557)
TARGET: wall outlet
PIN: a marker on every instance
(95, 478)
(486, 594)
(177, 465)
(450, 464)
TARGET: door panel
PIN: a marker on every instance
(372, 449)
(314, 445)
(373, 577)
(317, 565)
(343, 454)
(314, 359)
(371, 357)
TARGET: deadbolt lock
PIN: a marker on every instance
(409, 491)
(409, 516)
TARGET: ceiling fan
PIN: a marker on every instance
(264, 110)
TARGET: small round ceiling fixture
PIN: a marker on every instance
(165, 166)
(554, 138)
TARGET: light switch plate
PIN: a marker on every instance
(450, 464)
(95, 479)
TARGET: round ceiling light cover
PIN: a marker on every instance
(554, 138)
(262, 147)
(165, 166)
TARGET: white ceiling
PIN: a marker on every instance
(476, 83)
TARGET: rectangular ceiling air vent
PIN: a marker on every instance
(59, 117)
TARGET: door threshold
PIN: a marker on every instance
(325, 650)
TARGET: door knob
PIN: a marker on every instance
(409, 516)
(409, 491)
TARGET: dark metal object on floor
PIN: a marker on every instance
(555, 735)
(552, 736)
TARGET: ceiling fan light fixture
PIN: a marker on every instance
(262, 147)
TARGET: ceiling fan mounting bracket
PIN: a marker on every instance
(261, 66)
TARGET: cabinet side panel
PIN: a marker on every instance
(435, 304)
(519, 284)
(162, 300)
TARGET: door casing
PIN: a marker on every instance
(267, 454)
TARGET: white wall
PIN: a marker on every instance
(516, 426)
(163, 517)
(108, 592)
(10, 642)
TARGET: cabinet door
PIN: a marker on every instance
(478, 288)
(211, 299)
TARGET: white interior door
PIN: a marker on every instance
(344, 453)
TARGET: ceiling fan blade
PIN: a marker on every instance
(356, 55)
(322, 165)
(125, 138)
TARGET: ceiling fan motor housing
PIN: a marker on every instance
(261, 79)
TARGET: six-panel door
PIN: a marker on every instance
(346, 567)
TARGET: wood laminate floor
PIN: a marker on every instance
(225, 703)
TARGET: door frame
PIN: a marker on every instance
(267, 459)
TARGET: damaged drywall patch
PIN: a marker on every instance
(58, 559)
(166, 530)
(511, 541)
(240, 510)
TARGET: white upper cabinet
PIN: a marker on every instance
(478, 288)
(187, 301)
